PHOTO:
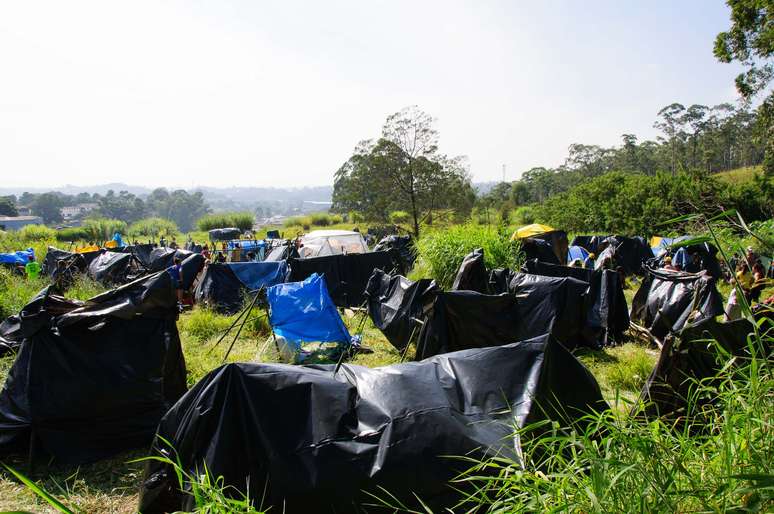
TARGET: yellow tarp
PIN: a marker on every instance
(655, 241)
(85, 249)
(531, 230)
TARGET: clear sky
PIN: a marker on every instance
(253, 93)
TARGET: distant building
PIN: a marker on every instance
(77, 211)
(17, 222)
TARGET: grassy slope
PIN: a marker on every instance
(739, 175)
(111, 486)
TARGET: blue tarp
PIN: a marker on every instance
(21, 257)
(118, 240)
(576, 252)
(253, 275)
(247, 244)
(303, 312)
(663, 246)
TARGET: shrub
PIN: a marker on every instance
(355, 217)
(399, 217)
(241, 220)
(36, 233)
(102, 229)
(524, 215)
(336, 219)
(153, 227)
(71, 234)
(442, 251)
(296, 221)
(319, 219)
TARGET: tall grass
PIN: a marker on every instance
(241, 220)
(36, 233)
(99, 230)
(441, 251)
(153, 228)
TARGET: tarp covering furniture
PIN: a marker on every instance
(222, 286)
(93, 378)
(667, 300)
(396, 305)
(472, 274)
(345, 275)
(306, 440)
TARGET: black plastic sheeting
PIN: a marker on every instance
(74, 261)
(346, 276)
(472, 275)
(162, 258)
(93, 378)
(142, 252)
(707, 252)
(535, 305)
(607, 314)
(224, 234)
(631, 253)
(319, 442)
(667, 300)
(692, 357)
(402, 247)
(499, 279)
(396, 305)
(557, 243)
(111, 267)
(540, 250)
(220, 289)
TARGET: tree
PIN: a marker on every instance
(750, 40)
(8, 206)
(403, 170)
(124, 206)
(671, 124)
(48, 206)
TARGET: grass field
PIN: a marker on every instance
(739, 175)
(112, 486)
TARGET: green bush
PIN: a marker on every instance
(524, 215)
(153, 228)
(241, 220)
(441, 252)
(297, 221)
(355, 217)
(320, 219)
(71, 234)
(36, 233)
(99, 230)
(399, 217)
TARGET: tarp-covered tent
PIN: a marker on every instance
(222, 285)
(535, 305)
(303, 312)
(345, 275)
(531, 230)
(556, 239)
(576, 253)
(396, 305)
(142, 252)
(403, 248)
(320, 243)
(667, 300)
(304, 439)
(472, 274)
(631, 253)
(75, 261)
(93, 378)
(163, 257)
(224, 234)
(683, 255)
(607, 314)
(112, 267)
(18, 258)
(691, 357)
(540, 250)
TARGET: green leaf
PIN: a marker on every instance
(61, 507)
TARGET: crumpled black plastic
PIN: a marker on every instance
(93, 378)
(631, 253)
(111, 267)
(319, 443)
(667, 299)
(402, 248)
(346, 276)
(541, 250)
(396, 305)
(472, 274)
(224, 234)
(162, 258)
(74, 261)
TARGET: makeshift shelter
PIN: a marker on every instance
(402, 248)
(222, 286)
(540, 250)
(224, 234)
(305, 439)
(667, 300)
(534, 305)
(631, 253)
(396, 305)
(683, 255)
(141, 252)
(303, 312)
(346, 275)
(530, 235)
(75, 261)
(607, 314)
(93, 378)
(162, 258)
(472, 275)
(535, 229)
(576, 253)
(690, 357)
(112, 268)
(320, 243)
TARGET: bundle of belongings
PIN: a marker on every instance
(305, 320)
(309, 439)
(667, 299)
(223, 286)
(346, 274)
(92, 378)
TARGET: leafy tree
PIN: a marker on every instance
(48, 206)
(124, 206)
(8, 206)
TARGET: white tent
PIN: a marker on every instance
(319, 243)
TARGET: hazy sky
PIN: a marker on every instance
(278, 93)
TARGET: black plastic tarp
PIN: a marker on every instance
(607, 314)
(499, 279)
(162, 258)
(111, 267)
(403, 249)
(691, 357)
(95, 378)
(538, 249)
(220, 290)
(396, 305)
(535, 305)
(472, 274)
(631, 253)
(74, 261)
(224, 234)
(345, 275)
(557, 240)
(142, 252)
(306, 440)
(667, 300)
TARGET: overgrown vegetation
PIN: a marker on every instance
(153, 228)
(241, 220)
